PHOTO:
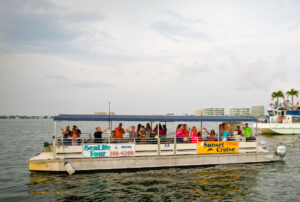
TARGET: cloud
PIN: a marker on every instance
(79, 84)
(258, 74)
(90, 84)
(43, 26)
(56, 77)
(295, 27)
(176, 27)
(181, 18)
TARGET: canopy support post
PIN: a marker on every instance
(54, 141)
(158, 146)
(256, 138)
(175, 141)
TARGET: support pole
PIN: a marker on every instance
(54, 141)
(158, 146)
(256, 138)
(175, 149)
(175, 140)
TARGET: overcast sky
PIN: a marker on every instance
(145, 57)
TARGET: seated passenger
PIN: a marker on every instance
(212, 135)
(239, 130)
(66, 135)
(199, 136)
(98, 134)
(113, 137)
(119, 132)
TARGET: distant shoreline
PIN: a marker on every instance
(25, 117)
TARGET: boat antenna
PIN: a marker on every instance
(108, 112)
(109, 122)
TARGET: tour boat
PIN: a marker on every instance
(128, 154)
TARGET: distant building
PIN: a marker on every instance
(199, 112)
(211, 111)
(239, 111)
(170, 114)
(103, 113)
(257, 111)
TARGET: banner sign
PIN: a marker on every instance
(108, 150)
(217, 147)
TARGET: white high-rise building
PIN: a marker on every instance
(211, 111)
(257, 111)
(244, 111)
(239, 111)
(233, 111)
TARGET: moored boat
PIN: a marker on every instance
(283, 121)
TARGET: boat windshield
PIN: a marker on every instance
(271, 113)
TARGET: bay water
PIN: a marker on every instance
(22, 139)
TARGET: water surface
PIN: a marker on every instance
(21, 139)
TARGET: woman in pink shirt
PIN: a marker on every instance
(179, 133)
(194, 135)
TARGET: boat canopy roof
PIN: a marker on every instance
(152, 118)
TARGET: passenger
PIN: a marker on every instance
(148, 131)
(225, 132)
(239, 130)
(138, 127)
(179, 133)
(75, 135)
(132, 133)
(165, 131)
(212, 135)
(199, 136)
(247, 131)
(160, 130)
(221, 130)
(194, 135)
(119, 132)
(98, 134)
(113, 137)
(142, 135)
(76, 128)
(186, 133)
(66, 135)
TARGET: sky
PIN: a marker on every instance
(145, 57)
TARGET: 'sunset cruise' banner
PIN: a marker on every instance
(217, 147)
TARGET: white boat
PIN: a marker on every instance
(89, 155)
(281, 121)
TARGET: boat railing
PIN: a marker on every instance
(73, 148)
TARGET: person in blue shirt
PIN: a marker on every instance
(225, 132)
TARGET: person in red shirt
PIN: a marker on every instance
(119, 131)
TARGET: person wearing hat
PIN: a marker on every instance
(247, 131)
